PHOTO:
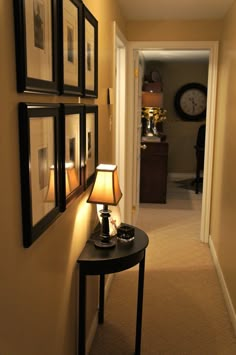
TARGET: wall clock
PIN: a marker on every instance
(190, 102)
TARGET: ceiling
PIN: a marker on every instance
(150, 10)
(170, 55)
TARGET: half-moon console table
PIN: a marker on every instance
(97, 261)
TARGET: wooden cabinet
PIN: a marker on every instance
(153, 172)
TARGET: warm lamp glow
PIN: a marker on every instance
(71, 180)
(106, 191)
(152, 99)
(51, 186)
(114, 220)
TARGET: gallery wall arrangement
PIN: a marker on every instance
(56, 45)
(58, 158)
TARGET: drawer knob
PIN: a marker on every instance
(143, 146)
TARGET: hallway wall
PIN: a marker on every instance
(39, 285)
(151, 37)
(174, 30)
(223, 223)
(38, 302)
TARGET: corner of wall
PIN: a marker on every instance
(223, 285)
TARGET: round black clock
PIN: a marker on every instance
(190, 102)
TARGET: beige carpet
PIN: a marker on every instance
(184, 311)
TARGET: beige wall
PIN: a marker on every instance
(106, 12)
(39, 285)
(181, 135)
(223, 223)
(223, 227)
(173, 30)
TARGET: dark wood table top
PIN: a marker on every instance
(124, 255)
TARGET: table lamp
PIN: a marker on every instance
(106, 191)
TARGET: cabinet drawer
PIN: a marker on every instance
(153, 173)
(155, 148)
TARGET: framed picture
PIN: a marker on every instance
(91, 142)
(71, 47)
(40, 162)
(73, 168)
(36, 45)
(91, 54)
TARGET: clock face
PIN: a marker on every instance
(190, 101)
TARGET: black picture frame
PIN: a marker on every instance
(73, 155)
(71, 47)
(91, 143)
(90, 54)
(36, 58)
(40, 162)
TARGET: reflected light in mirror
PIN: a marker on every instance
(72, 181)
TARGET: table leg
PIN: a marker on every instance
(101, 299)
(82, 313)
(139, 306)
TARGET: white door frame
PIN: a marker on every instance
(138, 80)
(212, 46)
(119, 108)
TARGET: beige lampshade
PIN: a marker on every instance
(72, 181)
(152, 99)
(51, 186)
(106, 188)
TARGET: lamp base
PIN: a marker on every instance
(108, 244)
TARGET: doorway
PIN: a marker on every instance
(132, 123)
(166, 73)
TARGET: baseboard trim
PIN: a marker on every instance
(94, 325)
(223, 284)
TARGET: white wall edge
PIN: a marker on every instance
(223, 284)
(94, 325)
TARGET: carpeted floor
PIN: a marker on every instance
(184, 311)
(189, 184)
